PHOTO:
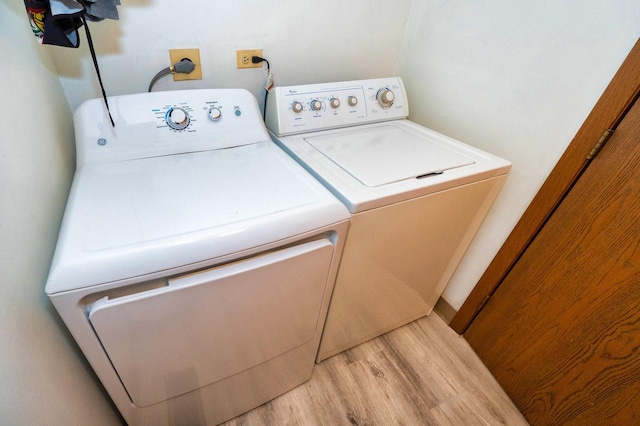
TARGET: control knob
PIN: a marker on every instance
(315, 105)
(352, 101)
(334, 102)
(214, 114)
(385, 97)
(177, 118)
(296, 107)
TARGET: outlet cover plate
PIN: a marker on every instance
(176, 55)
(243, 58)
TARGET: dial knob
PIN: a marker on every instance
(214, 113)
(334, 102)
(296, 107)
(352, 100)
(316, 105)
(177, 118)
(385, 97)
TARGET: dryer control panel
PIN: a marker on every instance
(313, 107)
(166, 123)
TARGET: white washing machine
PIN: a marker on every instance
(196, 260)
(416, 199)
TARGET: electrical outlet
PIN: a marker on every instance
(243, 58)
(176, 55)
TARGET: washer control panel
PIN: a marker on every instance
(313, 107)
(167, 123)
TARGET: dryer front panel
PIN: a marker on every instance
(206, 326)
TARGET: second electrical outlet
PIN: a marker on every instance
(243, 58)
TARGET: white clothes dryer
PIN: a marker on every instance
(196, 260)
(416, 199)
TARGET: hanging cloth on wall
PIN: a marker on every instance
(56, 22)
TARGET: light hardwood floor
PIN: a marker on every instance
(420, 374)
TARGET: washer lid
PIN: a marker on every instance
(387, 154)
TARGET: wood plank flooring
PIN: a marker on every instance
(420, 374)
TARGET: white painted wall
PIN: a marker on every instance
(516, 79)
(43, 377)
(304, 41)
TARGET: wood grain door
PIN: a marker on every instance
(607, 114)
(562, 332)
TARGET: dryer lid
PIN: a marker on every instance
(133, 218)
(385, 154)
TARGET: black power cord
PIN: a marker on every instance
(256, 60)
(185, 66)
(95, 64)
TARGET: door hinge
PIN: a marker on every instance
(598, 146)
(484, 302)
